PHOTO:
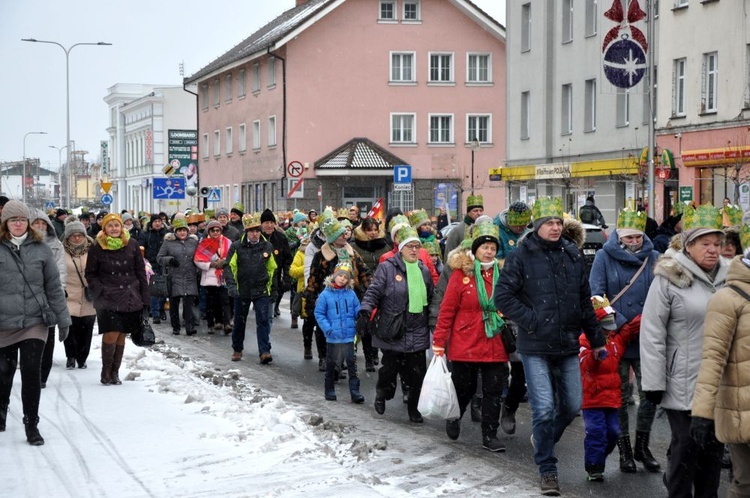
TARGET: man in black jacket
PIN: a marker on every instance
(544, 289)
(151, 240)
(281, 253)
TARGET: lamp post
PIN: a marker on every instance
(474, 147)
(67, 86)
(59, 171)
(23, 176)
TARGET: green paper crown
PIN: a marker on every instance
(418, 217)
(179, 223)
(406, 232)
(705, 216)
(547, 207)
(518, 216)
(239, 206)
(635, 220)
(210, 213)
(251, 220)
(399, 219)
(484, 230)
(679, 208)
(474, 201)
(734, 214)
(327, 214)
(432, 247)
(745, 236)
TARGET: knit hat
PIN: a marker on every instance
(298, 217)
(222, 211)
(332, 229)
(545, 209)
(178, 223)
(60, 212)
(700, 221)
(115, 217)
(484, 232)
(518, 214)
(212, 224)
(251, 220)
(604, 312)
(126, 216)
(631, 222)
(406, 234)
(474, 201)
(267, 215)
(238, 209)
(343, 267)
(15, 209)
(418, 217)
(74, 227)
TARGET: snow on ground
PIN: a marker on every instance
(177, 427)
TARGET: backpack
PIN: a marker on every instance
(587, 215)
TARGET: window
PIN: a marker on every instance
(228, 88)
(229, 145)
(623, 107)
(387, 10)
(478, 68)
(411, 10)
(591, 21)
(478, 126)
(205, 145)
(217, 90)
(402, 67)
(441, 68)
(403, 128)
(566, 110)
(272, 131)
(241, 83)
(526, 27)
(441, 129)
(680, 3)
(589, 120)
(256, 78)
(710, 81)
(256, 135)
(567, 21)
(217, 143)
(679, 92)
(525, 109)
(242, 144)
(271, 72)
(204, 97)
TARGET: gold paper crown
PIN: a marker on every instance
(343, 266)
(474, 201)
(705, 216)
(342, 213)
(599, 302)
(734, 214)
(635, 220)
(251, 220)
(195, 218)
(418, 217)
(546, 207)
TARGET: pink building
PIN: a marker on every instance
(349, 89)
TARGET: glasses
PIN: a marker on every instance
(215, 230)
(413, 247)
(18, 220)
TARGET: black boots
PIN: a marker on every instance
(3, 416)
(627, 464)
(108, 357)
(32, 432)
(643, 454)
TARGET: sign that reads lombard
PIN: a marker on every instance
(182, 154)
(552, 171)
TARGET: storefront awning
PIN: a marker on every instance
(581, 169)
(722, 156)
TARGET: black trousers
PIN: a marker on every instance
(494, 380)
(31, 360)
(693, 471)
(517, 388)
(217, 305)
(310, 329)
(78, 343)
(410, 366)
(49, 352)
(187, 312)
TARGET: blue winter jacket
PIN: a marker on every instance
(613, 268)
(336, 313)
(544, 289)
(508, 239)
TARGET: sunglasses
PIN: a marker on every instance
(215, 230)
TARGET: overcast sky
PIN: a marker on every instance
(150, 38)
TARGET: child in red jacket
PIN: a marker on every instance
(601, 388)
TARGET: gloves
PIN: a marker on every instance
(363, 319)
(437, 350)
(601, 353)
(62, 334)
(702, 431)
(654, 396)
(217, 263)
(174, 262)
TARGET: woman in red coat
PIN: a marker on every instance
(469, 326)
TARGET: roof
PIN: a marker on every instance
(33, 168)
(359, 153)
(267, 37)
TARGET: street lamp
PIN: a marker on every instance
(23, 176)
(67, 87)
(59, 171)
(474, 147)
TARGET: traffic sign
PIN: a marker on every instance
(107, 199)
(401, 187)
(169, 188)
(106, 186)
(48, 205)
(214, 195)
(496, 174)
(295, 188)
(402, 174)
(295, 169)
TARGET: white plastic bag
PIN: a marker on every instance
(438, 398)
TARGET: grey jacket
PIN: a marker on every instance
(672, 327)
(21, 303)
(183, 278)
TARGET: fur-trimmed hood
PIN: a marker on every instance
(361, 236)
(328, 282)
(573, 230)
(681, 271)
(329, 253)
(463, 260)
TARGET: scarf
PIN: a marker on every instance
(493, 322)
(468, 220)
(341, 253)
(209, 249)
(417, 288)
(112, 243)
(19, 240)
(77, 250)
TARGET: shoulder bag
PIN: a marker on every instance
(144, 336)
(158, 286)
(48, 316)
(632, 280)
(389, 326)
(86, 290)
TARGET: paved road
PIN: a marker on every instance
(300, 382)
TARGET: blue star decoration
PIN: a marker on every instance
(624, 63)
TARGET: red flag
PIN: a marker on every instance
(377, 210)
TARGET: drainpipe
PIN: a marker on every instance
(197, 128)
(283, 116)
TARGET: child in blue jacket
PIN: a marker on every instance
(336, 313)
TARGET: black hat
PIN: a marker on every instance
(3, 200)
(236, 211)
(155, 216)
(267, 215)
(101, 214)
(60, 212)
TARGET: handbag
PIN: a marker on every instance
(508, 336)
(438, 399)
(389, 326)
(144, 336)
(158, 286)
(86, 290)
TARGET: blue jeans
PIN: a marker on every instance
(262, 323)
(554, 387)
(157, 306)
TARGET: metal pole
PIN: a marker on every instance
(651, 131)
(23, 175)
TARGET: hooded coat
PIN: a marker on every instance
(183, 278)
(672, 327)
(508, 238)
(52, 240)
(75, 262)
(336, 312)
(370, 250)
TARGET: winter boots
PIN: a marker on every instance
(491, 442)
(595, 473)
(116, 362)
(643, 454)
(32, 432)
(3, 416)
(453, 428)
(108, 358)
(354, 390)
(627, 463)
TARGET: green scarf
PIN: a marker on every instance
(114, 243)
(417, 288)
(493, 322)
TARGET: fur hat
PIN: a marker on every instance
(15, 209)
(267, 215)
(74, 227)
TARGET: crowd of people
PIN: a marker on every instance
(509, 302)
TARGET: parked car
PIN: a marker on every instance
(444, 235)
(595, 239)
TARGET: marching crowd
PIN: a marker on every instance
(508, 301)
